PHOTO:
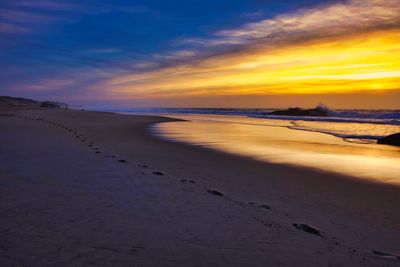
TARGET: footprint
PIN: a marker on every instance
(215, 192)
(158, 173)
(189, 181)
(259, 205)
(308, 229)
(386, 255)
(143, 166)
(122, 161)
(134, 249)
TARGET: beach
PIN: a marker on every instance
(83, 188)
(279, 141)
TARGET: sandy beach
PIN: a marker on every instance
(81, 188)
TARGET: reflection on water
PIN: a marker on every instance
(348, 129)
(272, 141)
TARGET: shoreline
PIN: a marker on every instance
(152, 133)
(279, 144)
(351, 214)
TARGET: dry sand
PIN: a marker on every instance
(95, 189)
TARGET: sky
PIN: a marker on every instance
(205, 53)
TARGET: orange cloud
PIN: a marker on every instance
(339, 48)
(361, 62)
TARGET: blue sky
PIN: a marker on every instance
(58, 49)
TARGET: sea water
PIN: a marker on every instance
(344, 142)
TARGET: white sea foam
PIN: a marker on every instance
(351, 125)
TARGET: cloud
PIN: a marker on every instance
(307, 24)
(131, 9)
(253, 15)
(22, 17)
(308, 51)
(241, 60)
(10, 28)
(46, 4)
(108, 50)
(16, 16)
(335, 19)
(94, 8)
(339, 18)
(26, 17)
(50, 85)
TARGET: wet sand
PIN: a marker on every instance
(95, 189)
(270, 141)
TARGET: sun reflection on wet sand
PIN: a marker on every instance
(260, 139)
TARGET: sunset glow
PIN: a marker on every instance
(200, 133)
(345, 64)
(345, 54)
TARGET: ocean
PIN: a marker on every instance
(343, 142)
